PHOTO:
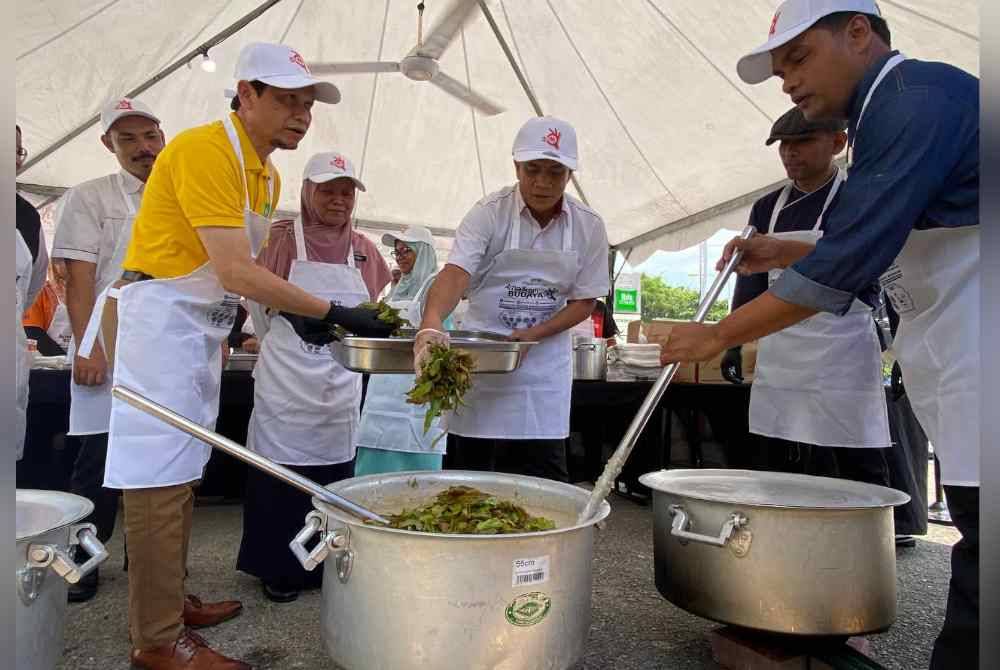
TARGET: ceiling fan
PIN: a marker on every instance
(421, 63)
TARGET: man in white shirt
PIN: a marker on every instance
(92, 233)
(531, 259)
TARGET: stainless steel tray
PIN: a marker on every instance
(493, 354)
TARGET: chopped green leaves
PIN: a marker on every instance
(463, 509)
(443, 381)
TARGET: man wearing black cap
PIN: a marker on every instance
(817, 399)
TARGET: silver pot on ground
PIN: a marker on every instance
(402, 599)
(590, 358)
(776, 552)
(46, 529)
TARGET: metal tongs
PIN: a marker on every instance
(238, 451)
(615, 464)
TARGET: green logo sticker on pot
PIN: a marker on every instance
(528, 609)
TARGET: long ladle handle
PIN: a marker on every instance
(242, 453)
(614, 466)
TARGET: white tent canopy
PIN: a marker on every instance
(671, 141)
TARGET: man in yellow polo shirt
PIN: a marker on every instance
(203, 218)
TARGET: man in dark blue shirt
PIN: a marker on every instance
(812, 413)
(909, 215)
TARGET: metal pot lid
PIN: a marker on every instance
(38, 512)
(772, 489)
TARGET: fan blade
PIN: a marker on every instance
(352, 68)
(465, 94)
(437, 39)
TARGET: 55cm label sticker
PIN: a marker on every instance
(528, 609)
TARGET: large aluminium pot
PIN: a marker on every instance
(401, 599)
(590, 358)
(783, 553)
(45, 530)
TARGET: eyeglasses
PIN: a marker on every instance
(22, 153)
(396, 254)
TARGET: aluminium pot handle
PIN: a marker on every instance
(337, 540)
(57, 558)
(733, 532)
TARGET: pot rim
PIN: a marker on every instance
(81, 507)
(602, 512)
(682, 483)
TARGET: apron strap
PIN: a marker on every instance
(300, 239)
(514, 234)
(272, 185)
(129, 205)
(90, 335)
(889, 66)
(302, 254)
(838, 179)
(778, 206)
(350, 253)
(568, 230)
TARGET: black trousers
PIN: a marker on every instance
(860, 465)
(87, 480)
(957, 646)
(273, 513)
(535, 458)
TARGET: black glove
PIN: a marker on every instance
(312, 331)
(358, 321)
(355, 320)
(732, 365)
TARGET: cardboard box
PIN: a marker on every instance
(656, 333)
(710, 372)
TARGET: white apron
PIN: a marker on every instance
(90, 406)
(22, 357)
(388, 421)
(934, 287)
(306, 405)
(169, 349)
(522, 288)
(820, 381)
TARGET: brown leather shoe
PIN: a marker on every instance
(202, 615)
(189, 652)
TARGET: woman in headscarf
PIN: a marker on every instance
(392, 438)
(306, 406)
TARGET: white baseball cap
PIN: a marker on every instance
(331, 165)
(793, 18)
(411, 234)
(546, 138)
(122, 107)
(282, 67)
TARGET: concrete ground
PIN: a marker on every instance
(633, 626)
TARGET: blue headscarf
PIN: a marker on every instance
(424, 266)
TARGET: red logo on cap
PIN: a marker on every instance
(774, 23)
(124, 104)
(552, 138)
(298, 60)
(339, 162)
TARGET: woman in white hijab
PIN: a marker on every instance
(391, 437)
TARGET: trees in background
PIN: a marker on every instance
(660, 301)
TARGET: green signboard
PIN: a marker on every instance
(626, 300)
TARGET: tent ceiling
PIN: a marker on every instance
(667, 131)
